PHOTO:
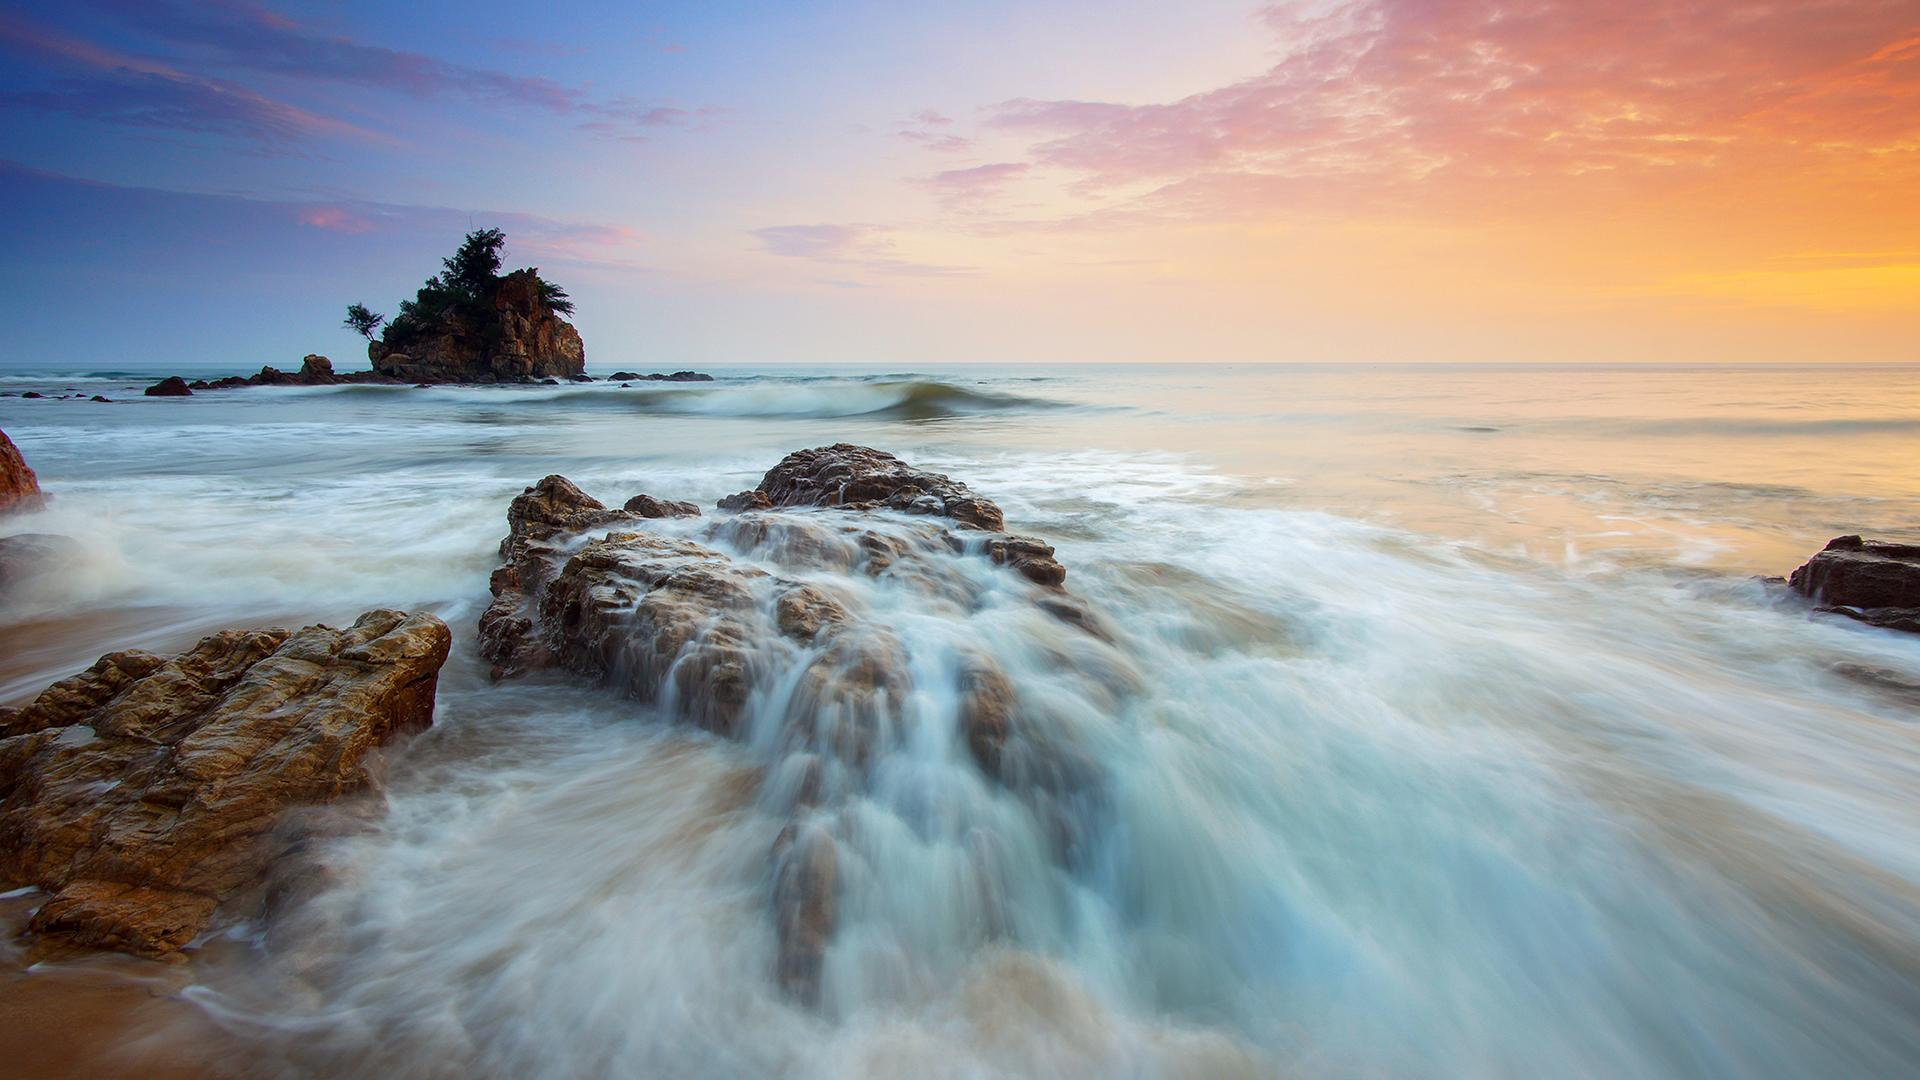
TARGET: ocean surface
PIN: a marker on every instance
(1451, 727)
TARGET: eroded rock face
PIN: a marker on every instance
(745, 624)
(518, 337)
(1870, 580)
(19, 488)
(141, 792)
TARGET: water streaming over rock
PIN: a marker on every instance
(1459, 754)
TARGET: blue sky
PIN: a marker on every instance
(830, 182)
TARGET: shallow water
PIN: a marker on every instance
(1445, 728)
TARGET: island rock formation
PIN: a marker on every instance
(1870, 580)
(144, 792)
(514, 335)
(758, 625)
(19, 488)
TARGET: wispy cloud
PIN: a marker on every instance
(1455, 101)
(970, 189)
(928, 129)
(235, 36)
(863, 247)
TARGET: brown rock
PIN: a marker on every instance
(141, 792)
(847, 475)
(171, 386)
(516, 338)
(649, 507)
(686, 625)
(1871, 580)
(316, 370)
(19, 488)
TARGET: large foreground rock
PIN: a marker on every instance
(1870, 580)
(753, 625)
(518, 336)
(19, 488)
(141, 793)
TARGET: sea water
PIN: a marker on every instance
(1448, 726)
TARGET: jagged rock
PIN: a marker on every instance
(518, 335)
(649, 507)
(171, 386)
(705, 618)
(19, 487)
(1871, 580)
(316, 370)
(141, 792)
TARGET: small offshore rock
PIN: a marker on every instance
(33, 394)
(171, 386)
(1874, 581)
(622, 375)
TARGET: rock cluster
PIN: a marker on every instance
(144, 792)
(1870, 580)
(315, 370)
(517, 337)
(19, 488)
(677, 376)
(700, 617)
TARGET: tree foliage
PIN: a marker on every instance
(464, 287)
(555, 297)
(363, 320)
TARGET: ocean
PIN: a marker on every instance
(1450, 726)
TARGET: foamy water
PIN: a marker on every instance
(1445, 729)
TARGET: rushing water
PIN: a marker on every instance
(1446, 728)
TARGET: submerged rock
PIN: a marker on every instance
(27, 556)
(141, 793)
(171, 386)
(1871, 580)
(19, 487)
(736, 624)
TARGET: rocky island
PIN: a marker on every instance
(467, 324)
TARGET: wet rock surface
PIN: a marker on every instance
(1873, 581)
(171, 386)
(786, 623)
(143, 793)
(19, 487)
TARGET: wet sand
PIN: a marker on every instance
(101, 1016)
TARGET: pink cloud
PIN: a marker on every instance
(967, 189)
(1463, 99)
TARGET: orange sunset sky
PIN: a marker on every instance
(1444, 180)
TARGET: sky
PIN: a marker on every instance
(209, 184)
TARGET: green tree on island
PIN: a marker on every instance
(465, 288)
(362, 320)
